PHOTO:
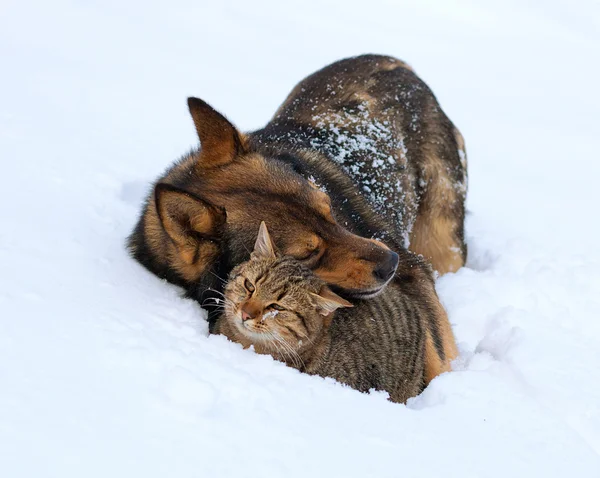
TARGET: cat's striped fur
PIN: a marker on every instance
(378, 344)
(281, 308)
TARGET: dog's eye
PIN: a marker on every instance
(309, 255)
(277, 307)
(248, 285)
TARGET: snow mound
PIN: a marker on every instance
(106, 371)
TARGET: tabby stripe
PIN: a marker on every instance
(420, 341)
(413, 325)
(393, 311)
(294, 333)
(303, 321)
(381, 318)
(435, 333)
(280, 296)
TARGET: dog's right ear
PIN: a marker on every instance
(220, 141)
(186, 218)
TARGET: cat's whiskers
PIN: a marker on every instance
(273, 343)
(304, 337)
(223, 296)
(229, 308)
(216, 302)
(247, 250)
(276, 345)
(218, 277)
(297, 360)
(216, 291)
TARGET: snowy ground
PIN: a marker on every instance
(105, 371)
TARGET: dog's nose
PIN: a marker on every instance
(386, 269)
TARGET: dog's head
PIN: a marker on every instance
(205, 214)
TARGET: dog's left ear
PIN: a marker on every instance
(263, 247)
(328, 302)
(187, 219)
(220, 141)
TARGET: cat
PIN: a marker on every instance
(281, 308)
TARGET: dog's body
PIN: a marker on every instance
(370, 128)
(371, 135)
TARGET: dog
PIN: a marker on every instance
(359, 174)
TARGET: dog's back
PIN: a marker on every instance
(376, 123)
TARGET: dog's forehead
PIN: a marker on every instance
(255, 167)
(264, 179)
(254, 189)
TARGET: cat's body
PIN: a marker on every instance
(376, 344)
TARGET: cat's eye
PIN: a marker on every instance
(277, 307)
(248, 285)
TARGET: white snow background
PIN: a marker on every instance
(106, 371)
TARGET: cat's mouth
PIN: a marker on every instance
(249, 329)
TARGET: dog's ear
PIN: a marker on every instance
(187, 220)
(220, 141)
(328, 302)
(263, 247)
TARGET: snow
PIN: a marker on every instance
(357, 132)
(106, 371)
(269, 315)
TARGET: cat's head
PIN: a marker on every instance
(276, 303)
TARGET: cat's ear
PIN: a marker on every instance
(328, 302)
(263, 247)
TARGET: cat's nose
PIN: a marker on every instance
(246, 315)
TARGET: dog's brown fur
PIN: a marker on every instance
(359, 151)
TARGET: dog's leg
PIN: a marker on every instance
(439, 239)
(438, 231)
